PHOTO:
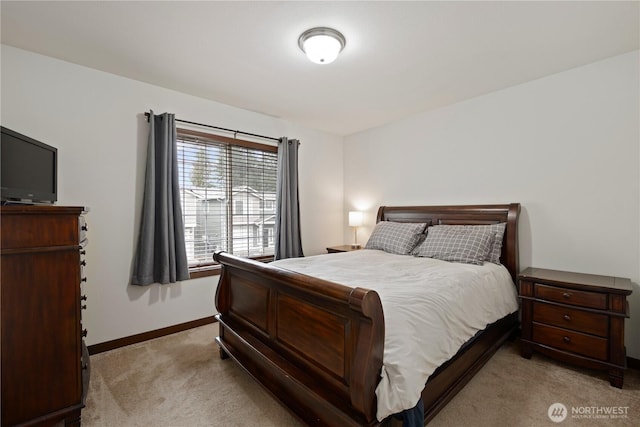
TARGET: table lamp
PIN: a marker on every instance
(355, 221)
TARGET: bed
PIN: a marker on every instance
(318, 346)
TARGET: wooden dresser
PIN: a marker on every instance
(42, 347)
(575, 318)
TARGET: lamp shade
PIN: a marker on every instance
(355, 219)
(321, 45)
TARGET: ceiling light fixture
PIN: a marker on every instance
(321, 44)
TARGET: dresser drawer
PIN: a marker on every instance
(569, 318)
(570, 296)
(575, 342)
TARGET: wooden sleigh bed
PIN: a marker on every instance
(317, 346)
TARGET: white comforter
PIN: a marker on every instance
(430, 307)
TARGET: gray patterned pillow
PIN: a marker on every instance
(396, 237)
(496, 243)
(469, 245)
(497, 231)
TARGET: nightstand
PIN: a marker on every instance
(576, 318)
(342, 248)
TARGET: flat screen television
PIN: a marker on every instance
(28, 169)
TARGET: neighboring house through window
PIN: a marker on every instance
(228, 192)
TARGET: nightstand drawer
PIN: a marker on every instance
(575, 342)
(570, 296)
(577, 320)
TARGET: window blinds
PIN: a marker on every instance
(228, 193)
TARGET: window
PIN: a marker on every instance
(228, 192)
(239, 207)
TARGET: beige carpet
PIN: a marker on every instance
(180, 381)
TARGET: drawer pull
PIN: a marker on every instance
(567, 317)
(566, 295)
(566, 339)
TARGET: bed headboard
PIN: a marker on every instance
(467, 215)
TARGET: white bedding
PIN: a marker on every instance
(431, 308)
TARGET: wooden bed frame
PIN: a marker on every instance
(317, 345)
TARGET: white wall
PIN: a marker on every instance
(567, 147)
(96, 121)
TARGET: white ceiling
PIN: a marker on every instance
(401, 58)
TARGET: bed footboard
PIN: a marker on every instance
(315, 345)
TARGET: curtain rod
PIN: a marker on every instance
(219, 128)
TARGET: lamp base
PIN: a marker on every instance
(355, 246)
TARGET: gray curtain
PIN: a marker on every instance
(288, 242)
(161, 256)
